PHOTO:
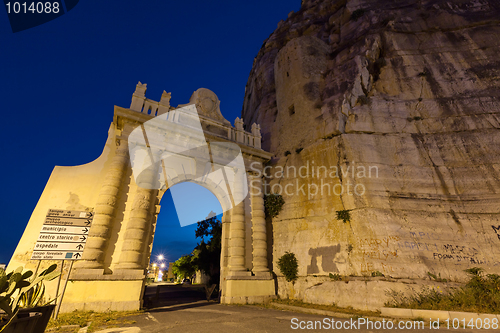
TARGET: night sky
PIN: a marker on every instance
(60, 81)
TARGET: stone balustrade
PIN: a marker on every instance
(219, 128)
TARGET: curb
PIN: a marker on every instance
(120, 330)
(320, 312)
(395, 313)
(435, 314)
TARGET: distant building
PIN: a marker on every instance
(170, 272)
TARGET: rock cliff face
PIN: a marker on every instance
(383, 117)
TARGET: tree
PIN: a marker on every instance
(207, 254)
(184, 266)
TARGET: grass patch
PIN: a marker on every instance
(334, 308)
(436, 278)
(481, 294)
(335, 277)
(99, 320)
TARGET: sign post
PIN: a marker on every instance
(63, 237)
(64, 289)
(58, 283)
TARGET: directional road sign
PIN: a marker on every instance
(63, 235)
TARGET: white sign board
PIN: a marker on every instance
(63, 235)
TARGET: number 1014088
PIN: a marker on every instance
(32, 7)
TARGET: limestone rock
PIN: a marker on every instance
(408, 90)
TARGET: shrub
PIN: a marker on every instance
(273, 203)
(344, 215)
(289, 266)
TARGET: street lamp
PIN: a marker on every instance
(156, 270)
(160, 257)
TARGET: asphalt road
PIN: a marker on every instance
(187, 312)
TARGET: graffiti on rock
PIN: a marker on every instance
(497, 231)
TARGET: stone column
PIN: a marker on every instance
(132, 251)
(237, 228)
(224, 256)
(259, 237)
(93, 255)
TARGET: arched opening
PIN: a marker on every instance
(175, 237)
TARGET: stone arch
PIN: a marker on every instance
(125, 207)
(211, 186)
(153, 236)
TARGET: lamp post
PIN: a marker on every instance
(160, 258)
(162, 266)
(155, 273)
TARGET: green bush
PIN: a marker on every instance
(344, 215)
(273, 203)
(289, 266)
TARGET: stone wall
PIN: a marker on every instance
(392, 110)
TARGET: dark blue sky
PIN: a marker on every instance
(60, 80)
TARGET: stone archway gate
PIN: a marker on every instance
(124, 186)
